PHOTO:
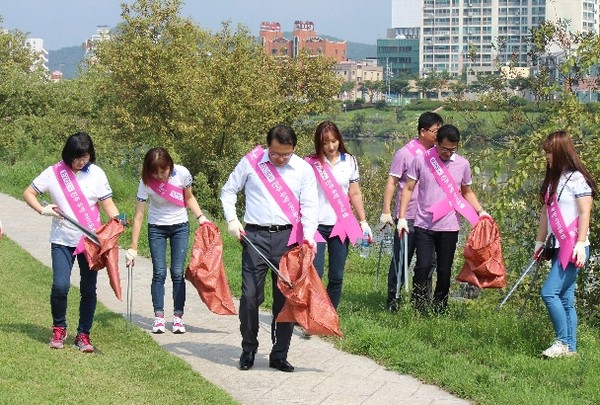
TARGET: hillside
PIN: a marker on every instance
(66, 60)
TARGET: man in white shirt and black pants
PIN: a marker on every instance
(268, 227)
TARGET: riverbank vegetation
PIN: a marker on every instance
(209, 97)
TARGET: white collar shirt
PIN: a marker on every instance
(261, 207)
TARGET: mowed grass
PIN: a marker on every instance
(128, 367)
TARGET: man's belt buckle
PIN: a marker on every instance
(275, 228)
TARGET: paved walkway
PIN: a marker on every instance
(323, 375)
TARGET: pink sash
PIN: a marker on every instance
(167, 191)
(566, 235)
(415, 148)
(281, 193)
(346, 224)
(87, 216)
(453, 199)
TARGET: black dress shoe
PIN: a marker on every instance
(281, 365)
(247, 360)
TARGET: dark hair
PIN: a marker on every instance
(564, 158)
(429, 119)
(76, 146)
(327, 127)
(449, 132)
(283, 134)
(156, 159)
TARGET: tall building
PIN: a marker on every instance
(304, 37)
(476, 34)
(36, 45)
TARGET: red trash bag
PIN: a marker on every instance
(307, 302)
(206, 270)
(484, 265)
(107, 254)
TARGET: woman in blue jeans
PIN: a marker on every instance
(77, 187)
(567, 195)
(331, 151)
(168, 189)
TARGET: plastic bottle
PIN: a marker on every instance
(364, 246)
(388, 240)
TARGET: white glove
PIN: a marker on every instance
(402, 226)
(311, 244)
(386, 219)
(202, 219)
(578, 256)
(48, 210)
(537, 250)
(235, 229)
(483, 214)
(130, 255)
(364, 226)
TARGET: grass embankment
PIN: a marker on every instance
(128, 368)
(473, 351)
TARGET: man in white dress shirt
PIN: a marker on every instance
(268, 227)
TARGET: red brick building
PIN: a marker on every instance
(304, 36)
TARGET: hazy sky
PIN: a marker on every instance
(62, 23)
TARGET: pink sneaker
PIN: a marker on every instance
(82, 343)
(159, 325)
(59, 335)
(178, 326)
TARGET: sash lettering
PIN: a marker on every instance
(453, 199)
(167, 191)
(566, 235)
(346, 224)
(87, 216)
(281, 193)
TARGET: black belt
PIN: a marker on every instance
(270, 228)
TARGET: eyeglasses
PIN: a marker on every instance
(433, 131)
(448, 150)
(275, 155)
(83, 159)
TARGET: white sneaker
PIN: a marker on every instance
(178, 325)
(557, 349)
(159, 325)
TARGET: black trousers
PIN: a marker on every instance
(433, 246)
(273, 246)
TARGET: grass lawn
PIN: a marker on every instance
(129, 367)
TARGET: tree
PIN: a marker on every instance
(165, 81)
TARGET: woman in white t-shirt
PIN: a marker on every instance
(168, 189)
(331, 152)
(76, 186)
(567, 195)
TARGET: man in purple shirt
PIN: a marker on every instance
(439, 235)
(429, 123)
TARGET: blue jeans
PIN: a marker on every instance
(62, 264)
(338, 252)
(178, 235)
(558, 293)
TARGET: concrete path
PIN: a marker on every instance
(323, 375)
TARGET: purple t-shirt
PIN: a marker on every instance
(430, 192)
(399, 167)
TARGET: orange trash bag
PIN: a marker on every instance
(107, 254)
(307, 302)
(484, 265)
(206, 270)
